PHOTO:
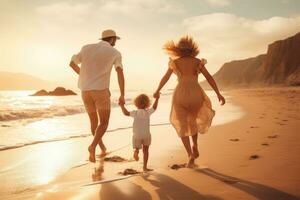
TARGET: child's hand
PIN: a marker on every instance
(203, 61)
(156, 95)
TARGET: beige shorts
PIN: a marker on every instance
(137, 143)
(96, 100)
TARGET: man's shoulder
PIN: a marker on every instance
(87, 46)
(115, 51)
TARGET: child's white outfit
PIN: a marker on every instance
(141, 127)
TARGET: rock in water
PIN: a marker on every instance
(40, 93)
(59, 91)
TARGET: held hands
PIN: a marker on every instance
(121, 100)
(221, 99)
(156, 95)
(203, 61)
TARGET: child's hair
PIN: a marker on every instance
(142, 101)
(186, 46)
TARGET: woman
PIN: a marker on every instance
(191, 111)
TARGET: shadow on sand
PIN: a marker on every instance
(257, 190)
(169, 188)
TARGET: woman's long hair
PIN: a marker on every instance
(186, 46)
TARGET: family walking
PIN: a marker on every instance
(191, 111)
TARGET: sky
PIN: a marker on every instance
(39, 37)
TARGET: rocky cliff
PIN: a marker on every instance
(280, 66)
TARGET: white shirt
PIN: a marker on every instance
(96, 62)
(141, 123)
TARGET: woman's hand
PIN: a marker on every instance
(156, 94)
(221, 99)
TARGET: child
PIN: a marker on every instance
(141, 126)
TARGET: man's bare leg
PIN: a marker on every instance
(93, 121)
(94, 124)
(102, 127)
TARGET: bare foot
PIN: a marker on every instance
(145, 169)
(191, 162)
(136, 155)
(92, 154)
(103, 154)
(195, 152)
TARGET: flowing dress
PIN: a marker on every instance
(191, 111)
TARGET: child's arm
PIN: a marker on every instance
(155, 102)
(124, 110)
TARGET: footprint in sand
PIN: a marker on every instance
(281, 124)
(265, 144)
(129, 172)
(115, 159)
(177, 166)
(253, 157)
(272, 136)
(5, 126)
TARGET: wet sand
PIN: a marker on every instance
(255, 157)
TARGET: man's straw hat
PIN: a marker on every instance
(109, 33)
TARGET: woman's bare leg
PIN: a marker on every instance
(195, 145)
(187, 145)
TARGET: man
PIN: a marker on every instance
(96, 62)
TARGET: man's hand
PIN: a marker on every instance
(121, 100)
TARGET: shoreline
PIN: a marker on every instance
(225, 170)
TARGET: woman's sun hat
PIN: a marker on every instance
(109, 33)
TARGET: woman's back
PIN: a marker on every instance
(186, 67)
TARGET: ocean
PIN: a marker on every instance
(28, 120)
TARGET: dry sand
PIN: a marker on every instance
(255, 157)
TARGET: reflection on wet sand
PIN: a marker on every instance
(123, 190)
(97, 175)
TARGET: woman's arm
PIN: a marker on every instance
(163, 81)
(212, 83)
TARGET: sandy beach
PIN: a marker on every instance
(254, 157)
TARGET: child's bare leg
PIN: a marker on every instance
(195, 145)
(136, 154)
(146, 156)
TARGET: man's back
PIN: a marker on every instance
(96, 65)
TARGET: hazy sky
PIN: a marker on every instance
(39, 37)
